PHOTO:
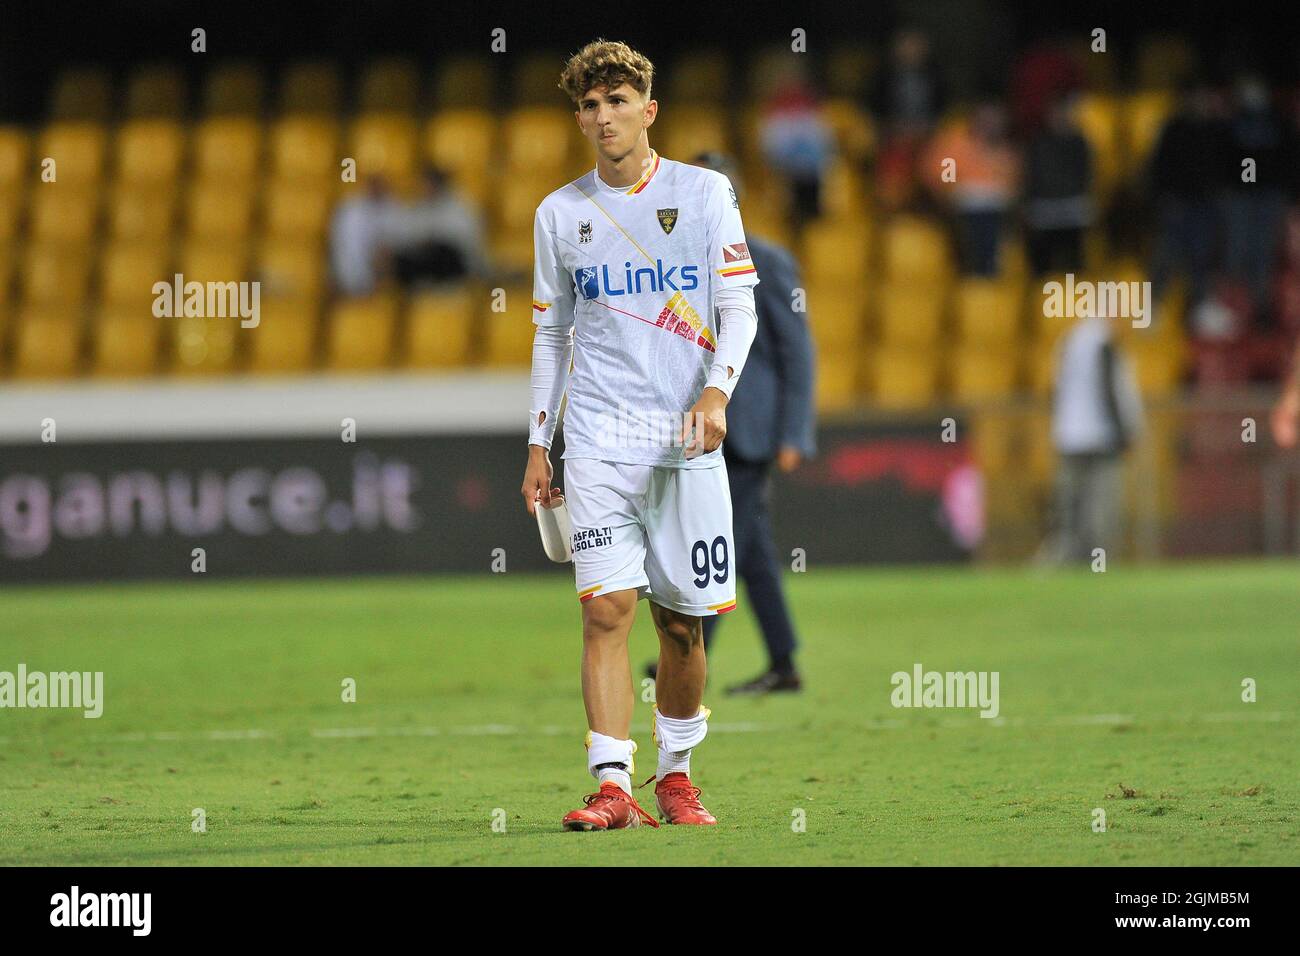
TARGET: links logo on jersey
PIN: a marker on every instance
(595, 281)
(667, 219)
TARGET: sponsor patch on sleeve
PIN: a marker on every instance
(735, 252)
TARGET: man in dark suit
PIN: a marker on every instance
(769, 418)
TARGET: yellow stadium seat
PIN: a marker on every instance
(14, 169)
(837, 251)
(1158, 362)
(140, 211)
(1145, 116)
(129, 270)
(11, 210)
(227, 148)
(911, 314)
(285, 340)
(204, 345)
(988, 311)
(460, 141)
(155, 91)
(438, 328)
(853, 129)
(64, 212)
(697, 75)
(77, 149)
(979, 373)
(836, 382)
(903, 377)
(538, 140)
(55, 273)
(213, 260)
(844, 193)
(361, 333)
(7, 256)
(125, 341)
(1041, 367)
(233, 89)
(150, 151)
(47, 343)
(508, 335)
(1098, 116)
(834, 319)
(297, 210)
(311, 87)
(916, 250)
(389, 85)
(219, 210)
(305, 147)
(291, 269)
(518, 199)
(384, 144)
(466, 81)
(82, 94)
(693, 130)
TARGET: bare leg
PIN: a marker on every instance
(679, 688)
(606, 675)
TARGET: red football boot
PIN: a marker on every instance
(609, 808)
(679, 802)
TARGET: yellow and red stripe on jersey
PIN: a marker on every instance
(723, 608)
(541, 306)
(730, 271)
(589, 593)
(680, 318)
(651, 168)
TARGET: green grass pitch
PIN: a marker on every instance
(226, 696)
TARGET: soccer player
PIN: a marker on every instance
(644, 307)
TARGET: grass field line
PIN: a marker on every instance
(743, 727)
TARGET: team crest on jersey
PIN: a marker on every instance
(667, 219)
(584, 231)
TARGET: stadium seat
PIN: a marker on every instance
(82, 94)
(844, 193)
(988, 311)
(517, 200)
(1041, 367)
(438, 328)
(155, 91)
(77, 149)
(8, 255)
(903, 378)
(508, 335)
(291, 268)
(47, 343)
(976, 373)
(150, 151)
(836, 382)
(535, 78)
(696, 76)
(850, 68)
(311, 88)
(692, 130)
(384, 144)
(305, 147)
(461, 143)
(391, 84)
(203, 345)
(361, 333)
(64, 213)
(1145, 115)
(228, 148)
(853, 129)
(130, 269)
(1098, 116)
(55, 273)
(285, 339)
(837, 252)
(11, 211)
(910, 314)
(14, 169)
(297, 210)
(140, 211)
(834, 319)
(466, 81)
(234, 89)
(537, 143)
(125, 341)
(219, 210)
(213, 260)
(1159, 361)
(916, 250)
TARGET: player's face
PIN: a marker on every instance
(613, 120)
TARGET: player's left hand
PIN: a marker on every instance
(1284, 419)
(788, 459)
(711, 413)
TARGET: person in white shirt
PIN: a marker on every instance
(357, 247)
(644, 314)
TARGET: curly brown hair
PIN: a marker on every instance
(607, 64)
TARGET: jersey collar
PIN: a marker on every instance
(648, 175)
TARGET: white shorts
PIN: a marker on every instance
(664, 531)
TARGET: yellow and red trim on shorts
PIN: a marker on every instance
(724, 607)
(589, 593)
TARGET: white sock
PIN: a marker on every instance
(670, 762)
(677, 737)
(616, 775)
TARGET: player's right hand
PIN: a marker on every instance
(1284, 419)
(537, 479)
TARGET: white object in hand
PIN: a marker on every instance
(556, 529)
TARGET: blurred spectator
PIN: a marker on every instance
(1254, 212)
(1044, 73)
(436, 238)
(797, 142)
(983, 188)
(1186, 171)
(907, 101)
(1096, 414)
(356, 246)
(1058, 180)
